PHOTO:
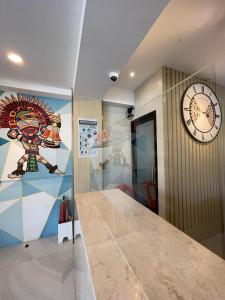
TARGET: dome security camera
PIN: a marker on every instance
(113, 76)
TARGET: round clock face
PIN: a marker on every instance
(201, 112)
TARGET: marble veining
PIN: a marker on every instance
(134, 254)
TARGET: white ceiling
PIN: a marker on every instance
(111, 32)
(200, 24)
(46, 34)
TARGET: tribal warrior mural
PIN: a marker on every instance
(32, 123)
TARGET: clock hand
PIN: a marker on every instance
(198, 107)
(209, 111)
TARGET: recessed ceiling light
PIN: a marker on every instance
(15, 58)
(132, 74)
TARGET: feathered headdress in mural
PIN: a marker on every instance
(10, 107)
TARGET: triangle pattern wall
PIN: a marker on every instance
(29, 206)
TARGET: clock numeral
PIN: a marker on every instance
(217, 116)
(195, 132)
(203, 89)
(203, 137)
(194, 88)
(216, 127)
(211, 135)
(188, 122)
(215, 104)
(186, 109)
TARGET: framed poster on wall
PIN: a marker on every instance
(88, 132)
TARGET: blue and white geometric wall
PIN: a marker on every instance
(29, 206)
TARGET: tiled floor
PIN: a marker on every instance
(44, 270)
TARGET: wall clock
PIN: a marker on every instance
(201, 112)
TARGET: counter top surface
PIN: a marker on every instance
(134, 254)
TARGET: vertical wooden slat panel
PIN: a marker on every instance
(209, 184)
(222, 168)
(209, 193)
(194, 189)
(191, 159)
(194, 157)
(198, 198)
(170, 151)
(216, 170)
(166, 139)
(202, 151)
(183, 153)
(204, 186)
(217, 164)
(178, 148)
(214, 180)
(213, 171)
(221, 154)
(174, 147)
(222, 165)
(186, 170)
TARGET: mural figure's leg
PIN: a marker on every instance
(52, 169)
(19, 172)
(32, 165)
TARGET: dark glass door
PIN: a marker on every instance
(144, 155)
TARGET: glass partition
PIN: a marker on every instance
(170, 157)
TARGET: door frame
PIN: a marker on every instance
(148, 117)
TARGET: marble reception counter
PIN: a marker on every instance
(134, 254)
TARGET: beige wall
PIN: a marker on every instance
(83, 167)
(194, 171)
(119, 96)
(148, 98)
